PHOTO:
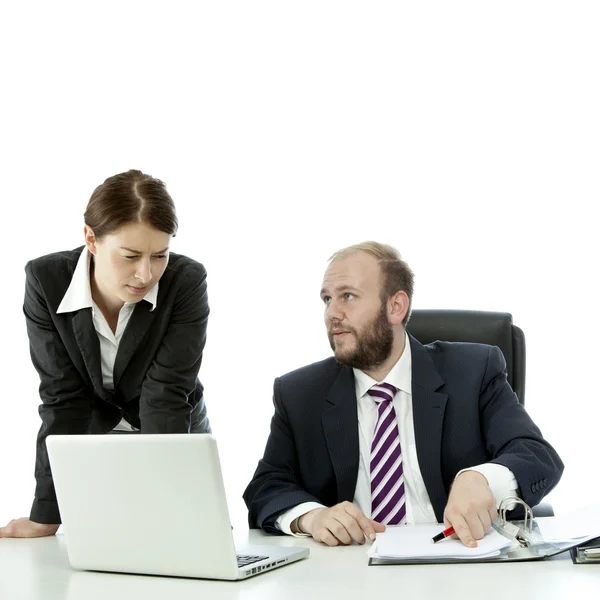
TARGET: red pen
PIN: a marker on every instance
(442, 536)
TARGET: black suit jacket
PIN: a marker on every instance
(465, 414)
(156, 368)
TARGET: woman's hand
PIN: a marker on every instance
(24, 528)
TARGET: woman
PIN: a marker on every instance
(116, 330)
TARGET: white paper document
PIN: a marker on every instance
(580, 524)
(414, 541)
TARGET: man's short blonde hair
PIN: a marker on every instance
(396, 274)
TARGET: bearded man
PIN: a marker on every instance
(389, 431)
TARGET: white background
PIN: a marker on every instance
(464, 133)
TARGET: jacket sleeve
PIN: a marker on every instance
(168, 389)
(65, 408)
(276, 486)
(512, 438)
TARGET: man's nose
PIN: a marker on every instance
(333, 313)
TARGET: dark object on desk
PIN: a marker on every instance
(587, 554)
(482, 327)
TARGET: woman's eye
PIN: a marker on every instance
(131, 257)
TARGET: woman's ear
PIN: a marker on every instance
(90, 239)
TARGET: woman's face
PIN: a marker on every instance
(128, 262)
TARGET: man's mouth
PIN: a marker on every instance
(339, 332)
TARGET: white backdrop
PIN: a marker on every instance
(464, 133)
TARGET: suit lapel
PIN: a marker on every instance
(141, 319)
(89, 346)
(429, 407)
(340, 423)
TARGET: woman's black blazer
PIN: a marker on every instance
(156, 368)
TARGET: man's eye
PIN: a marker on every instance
(131, 257)
(326, 299)
(349, 296)
(160, 256)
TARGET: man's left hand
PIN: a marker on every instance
(471, 507)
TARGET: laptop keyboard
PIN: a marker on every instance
(247, 559)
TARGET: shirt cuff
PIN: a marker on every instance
(501, 480)
(284, 520)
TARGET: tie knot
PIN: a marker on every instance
(382, 392)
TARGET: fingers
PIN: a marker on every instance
(470, 525)
(476, 527)
(368, 527)
(462, 530)
(485, 516)
(7, 531)
(471, 507)
(377, 526)
(343, 524)
(493, 513)
(346, 529)
(486, 520)
(361, 525)
(24, 528)
(325, 536)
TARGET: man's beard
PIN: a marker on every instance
(373, 344)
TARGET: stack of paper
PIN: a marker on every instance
(582, 524)
(414, 542)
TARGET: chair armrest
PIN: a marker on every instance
(543, 509)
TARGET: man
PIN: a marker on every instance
(391, 431)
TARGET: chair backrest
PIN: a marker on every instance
(494, 328)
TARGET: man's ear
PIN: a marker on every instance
(90, 239)
(398, 307)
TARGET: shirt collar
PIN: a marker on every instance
(79, 292)
(400, 376)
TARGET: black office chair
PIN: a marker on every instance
(494, 328)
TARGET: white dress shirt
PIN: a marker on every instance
(419, 509)
(79, 296)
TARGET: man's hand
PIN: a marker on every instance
(340, 524)
(24, 528)
(471, 507)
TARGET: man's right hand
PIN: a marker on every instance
(24, 528)
(340, 524)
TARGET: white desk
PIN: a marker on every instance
(39, 570)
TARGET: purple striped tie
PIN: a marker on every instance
(388, 502)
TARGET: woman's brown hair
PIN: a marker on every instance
(130, 197)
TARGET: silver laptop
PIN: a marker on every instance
(151, 504)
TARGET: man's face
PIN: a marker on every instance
(358, 328)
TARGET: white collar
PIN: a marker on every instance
(400, 376)
(79, 292)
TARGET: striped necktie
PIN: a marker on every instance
(388, 501)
